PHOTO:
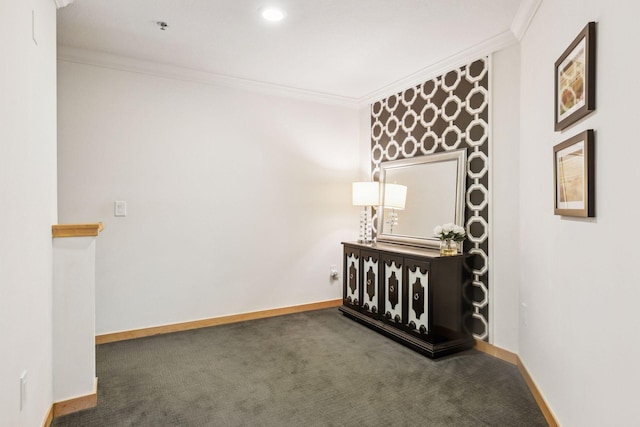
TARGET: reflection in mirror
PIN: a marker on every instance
(395, 196)
(435, 186)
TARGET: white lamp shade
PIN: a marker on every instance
(365, 194)
(395, 196)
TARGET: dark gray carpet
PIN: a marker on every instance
(311, 369)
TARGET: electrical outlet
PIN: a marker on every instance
(333, 272)
(23, 390)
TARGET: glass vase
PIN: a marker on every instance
(449, 247)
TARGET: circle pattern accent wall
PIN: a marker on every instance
(447, 113)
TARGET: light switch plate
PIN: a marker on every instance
(120, 208)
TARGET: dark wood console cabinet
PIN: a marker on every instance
(411, 295)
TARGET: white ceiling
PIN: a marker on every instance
(345, 49)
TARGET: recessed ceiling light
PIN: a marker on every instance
(273, 14)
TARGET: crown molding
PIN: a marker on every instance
(519, 26)
(105, 60)
(524, 16)
(498, 42)
(62, 3)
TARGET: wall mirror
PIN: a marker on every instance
(435, 195)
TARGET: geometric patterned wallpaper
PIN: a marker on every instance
(446, 113)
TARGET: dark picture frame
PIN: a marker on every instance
(575, 79)
(573, 176)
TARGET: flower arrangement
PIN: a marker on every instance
(450, 236)
(450, 231)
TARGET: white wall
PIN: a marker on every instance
(579, 335)
(28, 200)
(237, 201)
(504, 157)
(74, 317)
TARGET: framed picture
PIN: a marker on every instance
(573, 176)
(575, 79)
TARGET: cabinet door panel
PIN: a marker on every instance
(392, 286)
(370, 273)
(351, 291)
(417, 274)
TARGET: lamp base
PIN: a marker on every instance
(392, 220)
(366, 232)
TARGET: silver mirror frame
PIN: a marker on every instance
(461, 178)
